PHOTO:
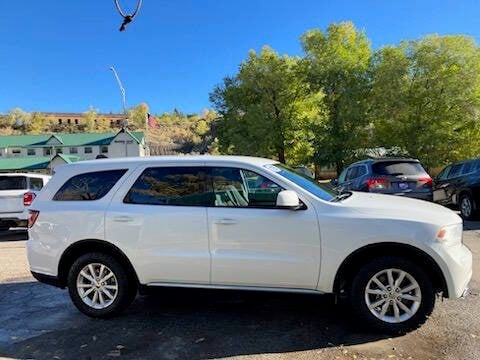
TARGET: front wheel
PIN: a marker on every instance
(392, 295)
(99, 285)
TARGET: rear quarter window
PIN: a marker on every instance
(398, 168)
(89, 186)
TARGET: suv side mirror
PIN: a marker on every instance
(288, 199)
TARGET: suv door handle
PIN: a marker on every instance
(122, 219)
(225, 221)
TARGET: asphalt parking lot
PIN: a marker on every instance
(38, 321)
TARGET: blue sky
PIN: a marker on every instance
(54, 55)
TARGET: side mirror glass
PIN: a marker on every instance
(288, 199)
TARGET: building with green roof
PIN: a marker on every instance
(41, 152)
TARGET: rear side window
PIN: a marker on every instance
(13, 182)
(89, 186)
(394, 168)
(180, 186)
(36, 184)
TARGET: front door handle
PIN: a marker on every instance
(225, 221)
(122, 219)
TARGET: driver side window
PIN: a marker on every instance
(243, 188)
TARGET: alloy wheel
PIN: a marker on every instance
(466, 206)
(97, 286)
(393, 295)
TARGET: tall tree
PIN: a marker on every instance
(336, 63)
(268, 109)
(426, 98)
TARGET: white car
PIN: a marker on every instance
(17, 191)
(106, 229)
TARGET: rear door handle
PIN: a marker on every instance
(225, 221)
(122, 219)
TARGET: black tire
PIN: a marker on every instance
(358, 300)
(471, 215)
(127, 287)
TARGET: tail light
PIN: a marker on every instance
(377, 183)
(426, 181)
(33, 216)
(28, 198)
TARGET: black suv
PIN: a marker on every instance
(458, 186)
(396, 176)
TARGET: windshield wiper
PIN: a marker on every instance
(341, 196)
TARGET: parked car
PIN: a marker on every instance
(105, 229)
(458, 186)
(17, 192)
(405, 177)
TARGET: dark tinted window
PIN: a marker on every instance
(185, 186)
(362, 170)
(89, 186)
(397, 168)
(455, 170)
(13, 183)
(36, 183)
(444, 173)
(477, 165)
(352, 173)
(243, 188)
(468, 167)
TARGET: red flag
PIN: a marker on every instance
(152, 121)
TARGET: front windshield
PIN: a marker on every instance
(307, 183)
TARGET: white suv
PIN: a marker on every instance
(108, 228)
(17, 192)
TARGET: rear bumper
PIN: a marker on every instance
(47, 279)
(428, 196)
(15, 219)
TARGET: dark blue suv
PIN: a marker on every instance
(458, 186)
(395, 176)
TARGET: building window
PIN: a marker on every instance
(73, 150)
(47, 152)
(16, 152)
(88, 150)
(76, 121)
(59, 121)
(104, 149)
(59, 150)
(69, 121)
(31, 152)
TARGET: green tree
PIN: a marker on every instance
(36, 123)
(89, 118)
(425, 98)
(268, 109)
(137, 117)
(337, 64)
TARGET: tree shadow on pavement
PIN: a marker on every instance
(38, 321)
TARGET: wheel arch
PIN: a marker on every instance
(356, 259)
(82, 247)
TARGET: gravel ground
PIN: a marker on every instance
(38, 321)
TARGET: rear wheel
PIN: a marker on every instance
(99, 285)
(467, 207)
(392, 295)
